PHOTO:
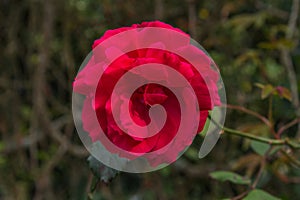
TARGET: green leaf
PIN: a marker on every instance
(267, 91)
(104, 173)
(259, 194)
(275, 149)
(230, 176)
(259, 85)
(272, 69)
(259, 147)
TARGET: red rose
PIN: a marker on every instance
(99, 96)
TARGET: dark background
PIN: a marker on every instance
(42, 44)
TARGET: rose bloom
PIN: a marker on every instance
(144, 97)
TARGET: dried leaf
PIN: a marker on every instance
(284, 93)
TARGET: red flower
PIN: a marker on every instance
(98, 91)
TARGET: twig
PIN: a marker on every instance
(291, 158)
(192, 18)
(286, 179)
(39, 77)
(257, 178)
(62, 139)
(32, 139)
(43, 179)
(253, 113)
(287, 126)
(28, 141)
(159, 9)
(240, 196)
(261, 169)
(293, 19)
(287, 60)
(253, 137)
(285, 141)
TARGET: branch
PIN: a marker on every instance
(285, 141)
(287, 59)
(159, 9)
(291, 158)
(273, 11)
(261, 169)
(55, 134)
(293, 19)
(28, 141)
(287, 126)
(53, 129)
(253, 113)
(257, 178)
(192, 18)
